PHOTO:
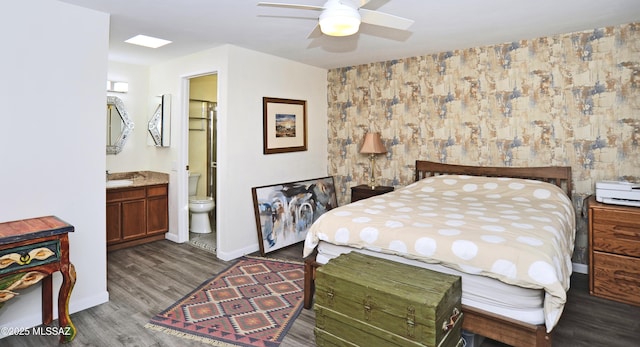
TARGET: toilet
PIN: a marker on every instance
(199, 206)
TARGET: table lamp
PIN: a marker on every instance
(372, 145)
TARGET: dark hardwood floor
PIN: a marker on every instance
(146, 279)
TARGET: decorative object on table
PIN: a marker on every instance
(31, 250)
(284, 125)
(254, 302)
(284, 212)
(372, 145)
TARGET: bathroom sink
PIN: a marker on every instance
(119, 183)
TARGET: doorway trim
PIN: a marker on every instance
(183, 161)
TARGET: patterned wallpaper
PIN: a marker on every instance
(571, 99)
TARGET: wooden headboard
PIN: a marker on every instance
(558, 175)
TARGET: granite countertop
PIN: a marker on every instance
(139, 178)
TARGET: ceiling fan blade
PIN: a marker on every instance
(315, 33)
(295, 6)
(362, 3)
(384, 19)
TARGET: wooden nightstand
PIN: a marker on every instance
(614, 252)
(364, 191)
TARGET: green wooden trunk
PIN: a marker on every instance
(367, 301)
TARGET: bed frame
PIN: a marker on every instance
(477, 321)
(558, 175)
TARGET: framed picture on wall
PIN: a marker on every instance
(285, 125)
(284, 212)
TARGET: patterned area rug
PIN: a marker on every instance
(254, 302)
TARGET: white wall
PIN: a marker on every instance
(136, 153)
(52, 134)
(244, 78)
(171, 78)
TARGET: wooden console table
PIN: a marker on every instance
(31, 250)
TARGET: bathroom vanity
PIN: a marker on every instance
(137, 208)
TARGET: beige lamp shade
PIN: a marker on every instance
(372, 144)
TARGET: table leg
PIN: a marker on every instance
(47, 300)
(64, 320)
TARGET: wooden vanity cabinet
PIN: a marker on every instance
(125, 214)
(157, 209)
(136, 215)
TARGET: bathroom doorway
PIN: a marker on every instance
(203, 91)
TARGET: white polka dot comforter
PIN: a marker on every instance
(518, 231)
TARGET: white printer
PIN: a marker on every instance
(618, 193)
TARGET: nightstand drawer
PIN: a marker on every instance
(364, 191)
(29, 256)
(616, 277)
(616, 232)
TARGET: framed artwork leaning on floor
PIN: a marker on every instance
(285, 211)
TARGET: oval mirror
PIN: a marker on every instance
(119, 125)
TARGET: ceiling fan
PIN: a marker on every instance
(343, 17)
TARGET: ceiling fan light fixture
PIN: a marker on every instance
(342, 21)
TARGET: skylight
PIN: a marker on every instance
(147, 41)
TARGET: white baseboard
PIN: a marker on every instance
(80, 305)
(172, 237)
(36, 319)
(581, 268)
(226, 256)
(222, 255)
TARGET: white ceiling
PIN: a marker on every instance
(440, 25)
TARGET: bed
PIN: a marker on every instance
(508, 232)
